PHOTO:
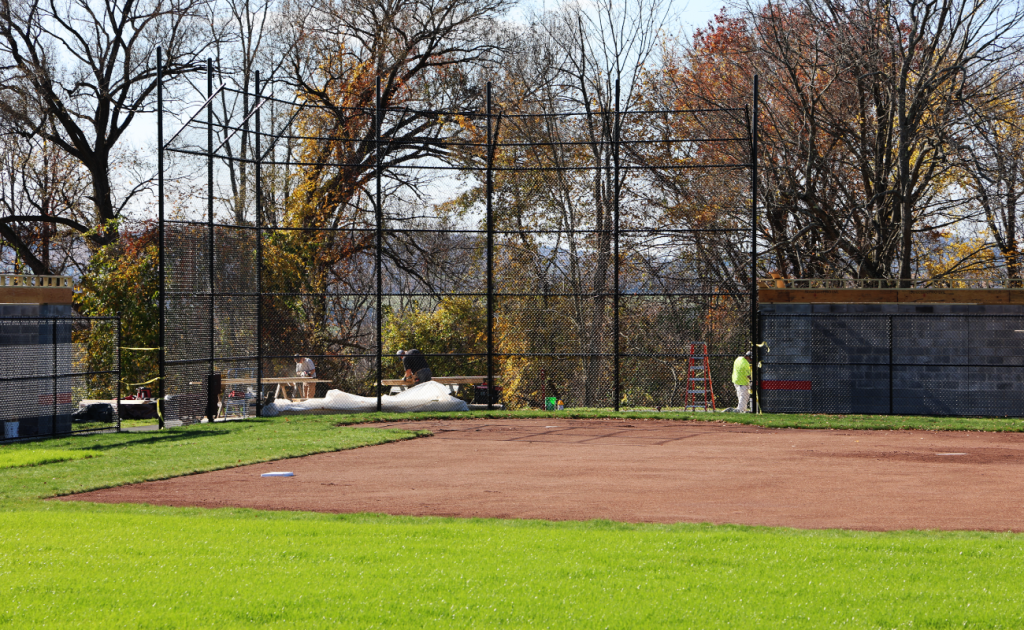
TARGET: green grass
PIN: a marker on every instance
(81, 427)
(38, 457)
(136, 566)
(95, 565)
(135, 457)
(771, 420)
(126, 423)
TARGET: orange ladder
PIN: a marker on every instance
(698, 379)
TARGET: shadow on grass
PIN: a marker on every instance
(161, 438)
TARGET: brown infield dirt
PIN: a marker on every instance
(638, 471)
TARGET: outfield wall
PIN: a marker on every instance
(27, 350)
(942, 359)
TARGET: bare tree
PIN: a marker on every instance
(78, 74)
(915, 63)
(990, 158)
(561, 82)
(249, 38)
(40, 180)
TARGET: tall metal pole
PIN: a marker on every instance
(615, 255)
(259, 254)
(209, 202)
(160, 220)
(490, 257)
(118, 374)
(755, 330)
(378, 245)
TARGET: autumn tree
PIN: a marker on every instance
(456, 326)
(862, 102)
(423, 51)
(123, 278)
(425, 54)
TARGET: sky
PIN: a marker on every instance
(688, 14)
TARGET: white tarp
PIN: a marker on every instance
(429, 396)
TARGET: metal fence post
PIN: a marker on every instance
(117, 375)
(615, 254)
(259, 256)
(209, 198)
(490, 257)
(755, 370)
(379, 245)
(160, 211)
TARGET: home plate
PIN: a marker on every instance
(278, 474)
(950, 453)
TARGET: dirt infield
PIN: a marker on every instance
(639, 471)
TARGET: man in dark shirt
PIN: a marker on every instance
(416, 369)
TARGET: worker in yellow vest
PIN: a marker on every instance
(741, 379)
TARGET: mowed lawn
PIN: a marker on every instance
(93, 565)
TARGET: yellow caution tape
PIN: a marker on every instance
(152, 380)
(763, 344)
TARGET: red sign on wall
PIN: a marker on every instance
(63, 398)
(787, 385)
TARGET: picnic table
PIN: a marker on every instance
(281, 382)
(453, 382)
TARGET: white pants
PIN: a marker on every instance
(743, 396)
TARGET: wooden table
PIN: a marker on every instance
(453, 382)
(280, 381)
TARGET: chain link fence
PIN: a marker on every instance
(59, 375)
(601, 258)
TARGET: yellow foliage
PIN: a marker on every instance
(943, 254)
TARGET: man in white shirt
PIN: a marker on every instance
(304, 367)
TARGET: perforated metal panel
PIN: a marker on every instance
(927, 364)
(50, 366)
